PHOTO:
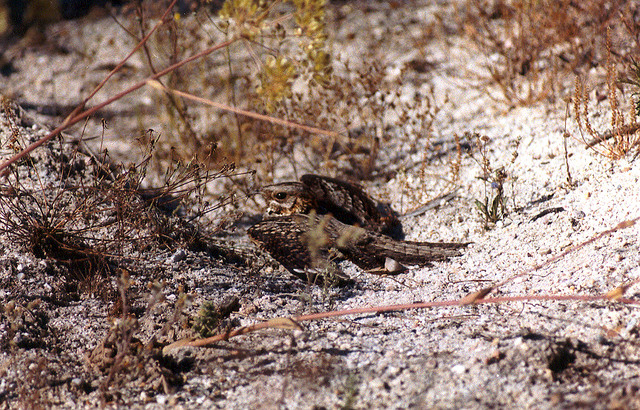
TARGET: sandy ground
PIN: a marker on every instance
(529, 353)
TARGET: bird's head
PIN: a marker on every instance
(288, 198)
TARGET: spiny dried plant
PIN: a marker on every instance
(122, 359)
(90, 215)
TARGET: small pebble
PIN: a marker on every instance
(178, 256)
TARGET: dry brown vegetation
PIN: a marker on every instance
(95, 218)
(534, 48)
(279, 64)
(86, 212)
(623, 136)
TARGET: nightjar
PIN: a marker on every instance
(319, 219)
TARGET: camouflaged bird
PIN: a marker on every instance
(321, 219)
(347, 202)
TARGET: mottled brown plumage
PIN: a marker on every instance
(296, 245)
(320, 218)
(300, 241)
(347, 202)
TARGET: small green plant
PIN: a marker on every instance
(350, 392)
(493, 207)
(211, 317)
(207, 321)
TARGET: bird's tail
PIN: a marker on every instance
(370, 250)
(416, 253)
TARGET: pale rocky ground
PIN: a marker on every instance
(537, 354)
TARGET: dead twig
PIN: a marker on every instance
(626, 130)
(476, 298)
(274, 120)
(621, 225)
(69, 121)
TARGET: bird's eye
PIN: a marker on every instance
(280, 195)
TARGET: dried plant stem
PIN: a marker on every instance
(292, 323)
(69, 121)
(625, 130)
(123, 62)
(235, 110)
(621, 225)
(477, 297)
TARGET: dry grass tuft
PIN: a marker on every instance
(532, 47)
(90, 216)
(623, 136)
